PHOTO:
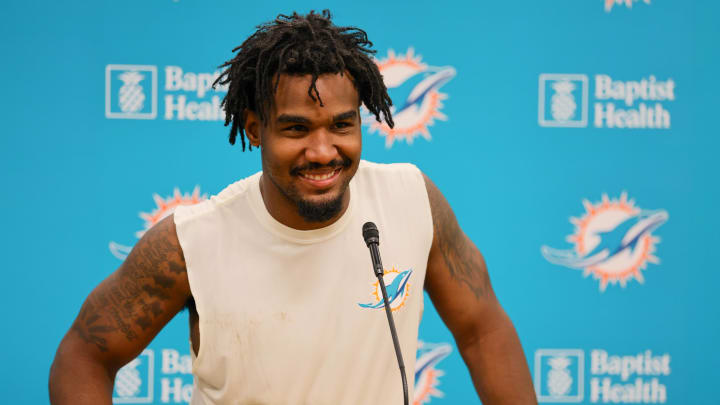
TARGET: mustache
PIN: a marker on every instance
(333, 164)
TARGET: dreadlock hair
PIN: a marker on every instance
(298, 45)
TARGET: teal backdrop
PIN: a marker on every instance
(576, 141)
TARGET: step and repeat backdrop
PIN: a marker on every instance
(575, 140)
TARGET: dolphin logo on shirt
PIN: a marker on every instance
(397, 290)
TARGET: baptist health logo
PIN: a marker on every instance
(563, 101)
(559, 375)
(565, 91)
(131, 92)
(134, 382)
(625, 378)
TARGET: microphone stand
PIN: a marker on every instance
(396, 343)
(372, 239)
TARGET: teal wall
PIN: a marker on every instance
(522, 142)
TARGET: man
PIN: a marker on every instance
(274, 270)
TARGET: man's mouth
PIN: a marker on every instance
(320, 176)
(320, 179)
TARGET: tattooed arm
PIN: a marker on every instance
(458, 284)
(120, 317)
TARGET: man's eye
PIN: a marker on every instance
(296, 128)
(341, 125)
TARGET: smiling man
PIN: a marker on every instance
(283, 303)
(309, 152)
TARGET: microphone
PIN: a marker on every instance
(372, 240)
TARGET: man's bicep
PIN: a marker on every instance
(123, 314)
(457, 279)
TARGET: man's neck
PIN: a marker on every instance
(285, 211)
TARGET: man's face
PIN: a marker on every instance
(309, 152)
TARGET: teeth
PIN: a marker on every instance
(319, 176)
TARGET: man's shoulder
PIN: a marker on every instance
(369, 167)
(229, 194)
(402, 180)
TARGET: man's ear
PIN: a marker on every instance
(252, 127)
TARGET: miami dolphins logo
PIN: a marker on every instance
(164, 207)
(414, 88)
(398, 290)
(427, 377)
(629, 3)
(613, 241)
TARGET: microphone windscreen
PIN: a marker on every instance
(370, 233)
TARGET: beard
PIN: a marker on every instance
(322, 211)
(317, 211)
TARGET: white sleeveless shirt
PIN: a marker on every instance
(295, 317)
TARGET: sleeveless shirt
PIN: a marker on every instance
(296, 317)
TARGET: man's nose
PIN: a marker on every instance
(321, 147)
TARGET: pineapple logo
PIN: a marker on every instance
(628, 3)
(132, 97)
(566, 95)
(563, 102)
(128, 381)
(613, 241)
(415, 90)
(559, 379)
(559, 375)
(134, 382)
(165, 207)
(131, 91)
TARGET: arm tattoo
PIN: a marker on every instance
(132, 298)
(90, 330)
(462, 259)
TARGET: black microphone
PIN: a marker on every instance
(372, 240)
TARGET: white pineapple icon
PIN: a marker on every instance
(127, 380)
(559, 379)
(132, 97)
(563, 104)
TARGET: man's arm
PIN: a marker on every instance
(458, 284)
(119, 318)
